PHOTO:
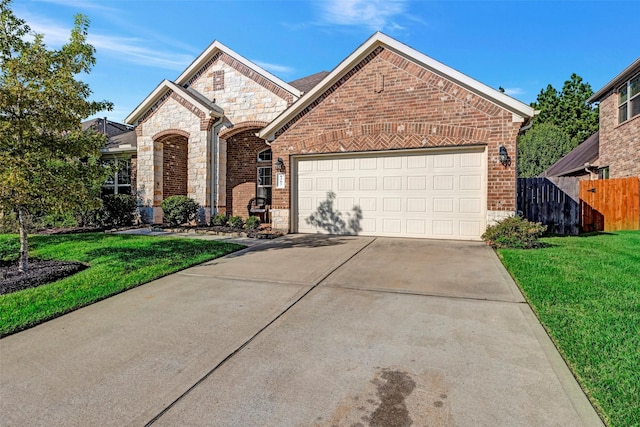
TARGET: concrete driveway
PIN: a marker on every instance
(305, 331)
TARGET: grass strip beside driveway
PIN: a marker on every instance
(586, 292)
(117, 263)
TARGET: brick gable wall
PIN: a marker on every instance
(387, 102)
(619, 143)
(242, 164)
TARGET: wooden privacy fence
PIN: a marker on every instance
(610, 204)
(552, 201)
(567, 205)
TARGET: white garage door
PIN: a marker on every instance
(434, 195)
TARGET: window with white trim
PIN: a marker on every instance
(629, 99)
(264, 179)
(120, 181)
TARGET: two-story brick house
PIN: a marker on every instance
(619, 134)
(390, 143)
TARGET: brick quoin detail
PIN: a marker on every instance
(242, 170)
(417, 109)
(174, 166)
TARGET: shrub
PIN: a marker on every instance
(235, 222)
(118, 210)
(179, 209)
(220, 220)
(252, 223)
(514, 232)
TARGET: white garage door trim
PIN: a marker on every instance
(431, 193)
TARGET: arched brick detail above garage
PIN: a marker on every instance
(241, 127)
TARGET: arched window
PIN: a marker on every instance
(264, 175)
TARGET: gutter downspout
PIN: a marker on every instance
(215, 163)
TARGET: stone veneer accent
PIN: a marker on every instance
(619, 143)
(249, 101)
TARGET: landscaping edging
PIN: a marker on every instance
(222, 231)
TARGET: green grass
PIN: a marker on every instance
(586, 292)
(117, 263)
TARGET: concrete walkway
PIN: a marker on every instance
(304, 330)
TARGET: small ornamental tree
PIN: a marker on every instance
(47, 163)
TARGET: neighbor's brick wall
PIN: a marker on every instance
(415, 109)
(241, 170)
(619, 143)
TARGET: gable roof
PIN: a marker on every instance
(217, 47)
(382, 40)
(305, 84)
(106, 127)
(577, 159)
(625, 75)
(196, 99)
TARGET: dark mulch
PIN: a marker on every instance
(38, 273)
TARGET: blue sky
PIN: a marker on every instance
(519, 45)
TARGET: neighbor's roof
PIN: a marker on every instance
(216, 47)
(585, 154)
(305, 84)
(380, 39)
(106, 126)
(625, 75)
(195, 98)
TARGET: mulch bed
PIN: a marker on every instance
(38, 273)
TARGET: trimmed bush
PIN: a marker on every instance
(514, 232)
(235, 222)
(118, 210)
(219, 220)
(179, 209)
(253, 222)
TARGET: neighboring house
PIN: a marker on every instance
(389, 143)
(120, 148)
(619, 146)
(582, 161)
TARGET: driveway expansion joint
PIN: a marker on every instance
(254, 336)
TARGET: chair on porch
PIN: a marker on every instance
(259, 206)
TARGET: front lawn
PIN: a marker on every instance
(117, 263)
(586, 292)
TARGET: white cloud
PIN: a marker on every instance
(274, 68)
(375, 14)
(514, 91)
(128, 49)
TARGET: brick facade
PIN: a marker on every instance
(387, 102)
(174, 166)
(242, 164)
(619, 143)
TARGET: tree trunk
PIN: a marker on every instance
(24, 249)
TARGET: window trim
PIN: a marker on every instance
(625, 106)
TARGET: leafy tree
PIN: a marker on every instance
(568, 109)
(47, 163)
(540, 147)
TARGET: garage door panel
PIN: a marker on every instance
(422, 195)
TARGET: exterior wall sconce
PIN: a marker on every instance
(504, 156)
(279, 164)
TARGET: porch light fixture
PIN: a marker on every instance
(504, 156)
(279, 164)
